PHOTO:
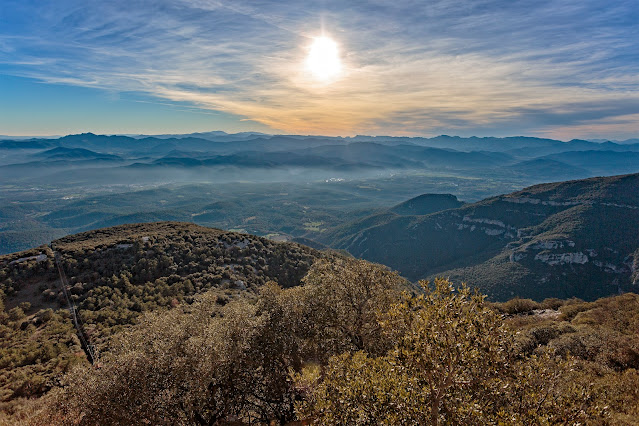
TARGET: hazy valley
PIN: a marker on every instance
(289, 186)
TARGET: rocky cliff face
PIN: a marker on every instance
(633, 262)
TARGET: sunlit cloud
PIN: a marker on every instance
(408, 67)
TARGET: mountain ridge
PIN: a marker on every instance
(535, 243)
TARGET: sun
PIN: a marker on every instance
(323, 59)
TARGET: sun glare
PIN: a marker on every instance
(323, 59)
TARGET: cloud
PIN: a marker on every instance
(411, 67)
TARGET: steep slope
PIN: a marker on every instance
(576, 238)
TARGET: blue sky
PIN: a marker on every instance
(562, 69)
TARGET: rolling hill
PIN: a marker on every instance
(552, 169)
(427, 204)
(600, 162)
(170, 305)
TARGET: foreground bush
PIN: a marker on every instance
(349, 347)
(213, 363)
(452, 364)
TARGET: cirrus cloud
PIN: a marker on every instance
(555, 68)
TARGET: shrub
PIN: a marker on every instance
(518, 306)
(16, 314)
(551, 303)
(572, 307)
(45, 315)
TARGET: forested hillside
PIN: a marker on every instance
(576, 238)
(114, 276)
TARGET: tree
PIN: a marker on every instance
(449, 348)
(343, 298)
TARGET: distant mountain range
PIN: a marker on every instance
(577, 238)
(546, 159)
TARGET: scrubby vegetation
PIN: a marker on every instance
(351, 346)
(349, 342)
(117, 273)
(35, 350)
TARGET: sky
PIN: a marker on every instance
(562, 69)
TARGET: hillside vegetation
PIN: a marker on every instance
(201, 326)
(350, 347)
(115, 275)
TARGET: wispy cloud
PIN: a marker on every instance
(560, 68)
